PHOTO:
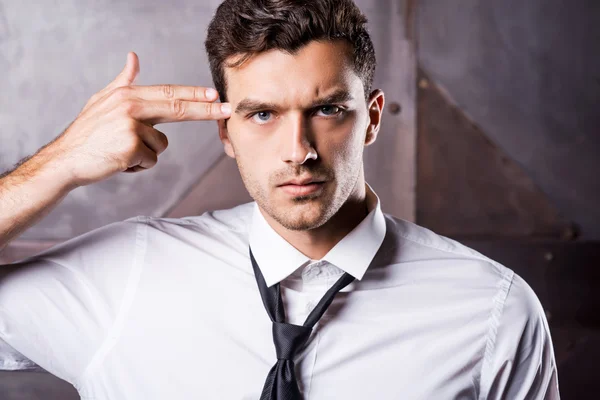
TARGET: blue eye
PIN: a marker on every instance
(329, 110)
(262, 116)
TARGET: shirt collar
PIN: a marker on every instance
(277, 259)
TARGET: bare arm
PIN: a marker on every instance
(113, 133)
(29, 193)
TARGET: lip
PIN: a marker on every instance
(304, 189)
(301, 182)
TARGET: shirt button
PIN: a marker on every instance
(312, 272)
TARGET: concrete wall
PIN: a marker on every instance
(55, 55)
(528, 73)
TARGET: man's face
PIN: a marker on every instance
(299, 119)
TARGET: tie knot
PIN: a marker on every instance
(289, 338)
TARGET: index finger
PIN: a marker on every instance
(171, 92)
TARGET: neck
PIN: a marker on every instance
(316, 243)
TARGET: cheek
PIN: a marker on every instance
(344, 145)
(252, 153)
(241, 141)
(252, 160)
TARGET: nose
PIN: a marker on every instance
(297, 139)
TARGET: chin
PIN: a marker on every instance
(300, 213)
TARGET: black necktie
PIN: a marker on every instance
(281, 381)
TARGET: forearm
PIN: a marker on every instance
(29, 193)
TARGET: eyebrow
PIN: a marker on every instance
(249, 105)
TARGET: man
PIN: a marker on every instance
(308, 292)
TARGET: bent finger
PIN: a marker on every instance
(154, 139)
(145, 157)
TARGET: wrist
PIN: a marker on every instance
(51, 170)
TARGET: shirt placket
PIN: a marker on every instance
(314, 283)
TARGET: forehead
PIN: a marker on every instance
(314, 70)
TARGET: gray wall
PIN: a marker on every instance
(528, 73)
(55, 55)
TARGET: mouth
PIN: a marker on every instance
(302, 189)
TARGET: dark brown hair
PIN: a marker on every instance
(247, 27)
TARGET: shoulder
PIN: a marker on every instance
(519, 360)
(232, 219)
(452, 260)
(517, 332)
(225, 223)
(423, 249)
(523, 310)
(90, 256)
(425, 239)
(419, 243)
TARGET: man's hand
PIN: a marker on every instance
(115, 130)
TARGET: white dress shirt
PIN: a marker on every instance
(162, 308)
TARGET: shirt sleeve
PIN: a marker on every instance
(12, 360)
(522, 364)
(56, 307)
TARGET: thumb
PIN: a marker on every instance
(125, 78)
(129, 73)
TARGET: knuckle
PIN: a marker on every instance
(178, 108)
(121, 93)
(149, 159)
(122, 163)
(164, 141)
(131, 126)
(208, 109)
(168, 91)
(197, 94)
(132, 145)
(129, 106)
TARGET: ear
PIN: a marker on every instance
(375, 108)
(224, 136)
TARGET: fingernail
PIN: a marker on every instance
(210, 93)
(226, 108)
